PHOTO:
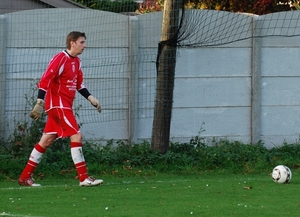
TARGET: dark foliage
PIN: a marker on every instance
(111, 6)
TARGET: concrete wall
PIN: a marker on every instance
(245, 91)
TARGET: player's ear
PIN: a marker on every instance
(72, 43)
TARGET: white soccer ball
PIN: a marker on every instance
(281, 174)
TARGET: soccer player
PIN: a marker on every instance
(56, 93)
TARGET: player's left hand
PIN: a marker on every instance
(95, 103)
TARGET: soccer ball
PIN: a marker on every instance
(281, 174)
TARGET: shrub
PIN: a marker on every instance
(112, 6)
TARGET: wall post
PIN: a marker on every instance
(2, 76)
(255, 83)
(133, 42)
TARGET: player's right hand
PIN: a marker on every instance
(37, 110)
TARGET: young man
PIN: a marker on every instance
(56, 94)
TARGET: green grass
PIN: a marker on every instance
(205, 194)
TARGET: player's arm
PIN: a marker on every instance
(85, 93)
(38, 109)
(55, 67)
(46, 80)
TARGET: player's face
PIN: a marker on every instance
(78, 46)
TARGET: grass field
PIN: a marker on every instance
(207, 194)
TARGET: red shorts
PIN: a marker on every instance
(61, 122)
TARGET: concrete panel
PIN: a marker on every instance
(147, 63)
(213, 62)
(243, 43)
(280, 120)
(228, 28)
(20, 93)
(213, 27)
(218, 122)
(210, 92)
(279, 124)
(88, 114)
(150, 27)
(280, 91)
(104, 131)
(28, 63)
(280, 41)
(145, 124)
(280, 61)
(271, 141)
(113, 92)
(105, 63)
(147, 90)
(280, 24)
(49, 27)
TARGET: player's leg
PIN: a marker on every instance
(67, 127)
(79, 162)
(78, 157)
(25, 178)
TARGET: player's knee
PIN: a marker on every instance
(46, 140)
(76, 137)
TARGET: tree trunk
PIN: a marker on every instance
(166, 62)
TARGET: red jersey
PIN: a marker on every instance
(62, 78)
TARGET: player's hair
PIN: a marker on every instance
(73, 36)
